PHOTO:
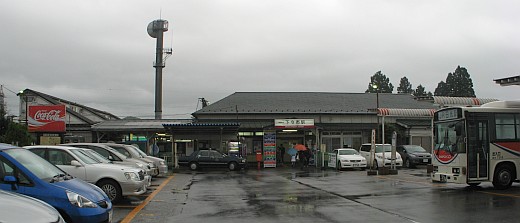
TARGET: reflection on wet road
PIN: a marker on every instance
(292, 195)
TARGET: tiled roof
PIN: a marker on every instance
(310, 102)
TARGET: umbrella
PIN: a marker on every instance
(292, 151)
(300, 147)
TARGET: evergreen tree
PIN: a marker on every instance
(404, 86)
(382, 82)
(420, 91)
(458, 84)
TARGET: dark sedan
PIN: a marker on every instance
(211, 158)
(414, 155)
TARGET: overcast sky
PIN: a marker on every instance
(98, 53)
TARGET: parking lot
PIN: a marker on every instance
(315, 195)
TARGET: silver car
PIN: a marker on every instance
(20, 208)
(128, 151)
(115, 180)
(161, 163)
(113, 155)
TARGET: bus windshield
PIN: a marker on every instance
(449, 137)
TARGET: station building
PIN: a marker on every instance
(241, 122)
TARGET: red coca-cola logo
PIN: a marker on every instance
(46, 118)
(43, 115)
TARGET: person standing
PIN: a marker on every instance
(282, 153)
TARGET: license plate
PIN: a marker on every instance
(425, 160)
(355, 164)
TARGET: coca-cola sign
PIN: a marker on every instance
(46, 118)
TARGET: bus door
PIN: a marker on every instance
(478, 147)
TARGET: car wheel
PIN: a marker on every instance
(338, 166)
(111, 189)
(375, 164)
(503, 177)
(233, 166)
(194, 166)
(407, 163)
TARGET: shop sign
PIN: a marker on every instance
(269, 149)
(46, 118)
(294, 123)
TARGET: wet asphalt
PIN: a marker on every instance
(314, 195)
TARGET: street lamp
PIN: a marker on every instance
(23, 97)
(376, 88)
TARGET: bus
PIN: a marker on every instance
(477, 144)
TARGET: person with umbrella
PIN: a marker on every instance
(292, 152)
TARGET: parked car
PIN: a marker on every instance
(17, 207)
(380, 151)
(211, 158)
(349, 158)
(115, 180)
(159, 162)
(100, 158)
(76, 200)
(414, 155)
(129, 151)
(113, 155)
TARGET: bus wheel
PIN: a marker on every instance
(473, 184)
(503, 177)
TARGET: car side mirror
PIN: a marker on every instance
(75, 163)
(11, 180)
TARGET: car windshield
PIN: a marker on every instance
(34, 163)
(383, 148)
(83, 156)
(347, 152)
(94, 155)
(414, 149)
(139, 151)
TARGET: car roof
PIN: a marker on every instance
(52, 147)
(345, 149)
(7, 146)
(377, 144)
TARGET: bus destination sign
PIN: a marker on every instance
(447, 114)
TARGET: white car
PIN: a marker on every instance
(382, 150)
(159, 162)
(349, 158)
(115, 180)
(130, 151)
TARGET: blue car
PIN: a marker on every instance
(77, 201)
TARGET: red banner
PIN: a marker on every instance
(46, 118)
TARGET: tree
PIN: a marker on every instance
(382, 82)
(420, 91)
(404, 86)
(17, 134)
(458, 84)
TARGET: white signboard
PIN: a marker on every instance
(294, 123)
(332, 160)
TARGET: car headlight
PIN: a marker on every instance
(140, 165)
(411, 155)
(132, 176)
(162, 163)
(152, 165)
(379, 156)
(80, 201)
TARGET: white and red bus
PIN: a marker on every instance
(477, 144)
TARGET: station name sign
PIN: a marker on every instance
(293, 123)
